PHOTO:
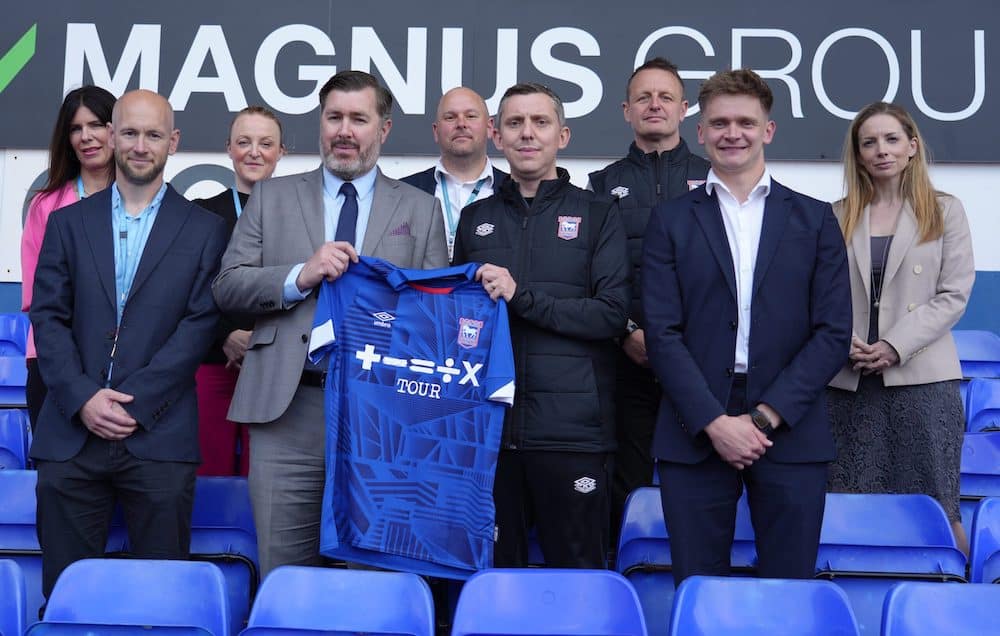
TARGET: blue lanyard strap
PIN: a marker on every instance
(80, 192)
(236, 202)
(453, 218)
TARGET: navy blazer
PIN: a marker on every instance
(168, 324)
(800, 321)
(425, 181)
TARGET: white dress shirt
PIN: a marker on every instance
(743, 222)
(460, 194)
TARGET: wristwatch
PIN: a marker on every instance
(761, 421)
(631, 327)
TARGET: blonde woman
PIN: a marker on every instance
(895, 407)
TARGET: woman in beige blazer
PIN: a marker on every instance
(895, 407)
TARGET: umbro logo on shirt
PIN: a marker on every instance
(382, 319)
(485, 229)
(585, 485)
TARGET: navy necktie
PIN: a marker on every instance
(348, 223)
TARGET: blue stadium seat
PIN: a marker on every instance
(223, 533)
(710, 605)
(644, 553)
(13, 603)
(984, 556)
(15, 439)
(13, 372)
(980, 472)
(870, 542)
(19, 538)
(979, 353)
(982, 409)
(98, 594)
(916, 609)
(553, 601)
(309, 600)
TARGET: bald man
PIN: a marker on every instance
(464, 173)
(123, 314)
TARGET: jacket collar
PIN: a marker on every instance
(547, 190)
(677, 154)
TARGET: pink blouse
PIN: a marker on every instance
(42, 205)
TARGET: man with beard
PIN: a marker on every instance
(463, 174)
(295, 232)
(123, 314)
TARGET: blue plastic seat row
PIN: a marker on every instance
(867, 543)
(222, 533)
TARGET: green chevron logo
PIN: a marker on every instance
(17, 57)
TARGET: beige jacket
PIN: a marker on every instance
(925, 290)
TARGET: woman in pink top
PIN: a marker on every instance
(80, 163)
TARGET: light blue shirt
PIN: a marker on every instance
(333, 200)
(129, 234)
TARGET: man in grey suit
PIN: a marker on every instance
(295, 232)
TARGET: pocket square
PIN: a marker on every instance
(402, 230)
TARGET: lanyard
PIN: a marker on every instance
(236, 202)
(453, 218)
(80, 192)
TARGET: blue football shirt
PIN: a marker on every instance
(420, 372)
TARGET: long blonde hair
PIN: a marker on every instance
(915, 184)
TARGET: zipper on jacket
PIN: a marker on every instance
(656, 172)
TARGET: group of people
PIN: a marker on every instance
(692, 311)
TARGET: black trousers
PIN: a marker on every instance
(636, 401)
(786, 509)
(77, 497)
(564, 495)
(35, 392)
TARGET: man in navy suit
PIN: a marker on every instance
(123, 314)
(464, 174)
(748, 316)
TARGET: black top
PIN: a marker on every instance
(222, 205)
(880, 256)
(566, 251)
(639, 181)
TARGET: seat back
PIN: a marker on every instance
(644, 553)
(15, 439)
(870, 542)
(980, 475)
(13, 607)
(296, 599)
(978, 352)
(983, 405)
(223, 533)
(707, 605)
(915, 609)
(984, 555)
(554, 601)
(13, 372)
(139, 593)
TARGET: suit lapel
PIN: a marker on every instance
(861, 243)
(905, 235)
(173, 212)
(384, 204)
(97, 227)
(709, 217)
(312, 207)
(776, 212)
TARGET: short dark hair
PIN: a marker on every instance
(263, 111)
(532, 88)
(353, 81)
(737, 82)
(63, 163)
(655, 64)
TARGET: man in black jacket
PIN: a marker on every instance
(658, 167)
(557, 255)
